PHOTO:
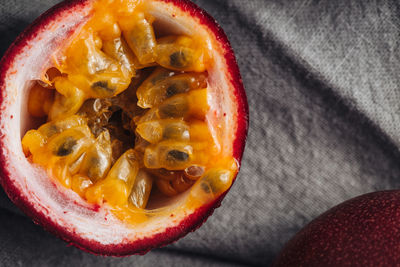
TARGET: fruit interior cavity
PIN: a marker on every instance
(126, 109)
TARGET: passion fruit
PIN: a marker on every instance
(123, 122)
(363, 231)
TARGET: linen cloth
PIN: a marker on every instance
(322, 80)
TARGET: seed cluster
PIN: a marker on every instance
(124, 110)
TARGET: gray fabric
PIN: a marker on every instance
(323, 88)
(25, 244)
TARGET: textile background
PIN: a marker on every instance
(323, 85)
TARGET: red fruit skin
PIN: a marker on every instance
(364, 231)
(172, 234)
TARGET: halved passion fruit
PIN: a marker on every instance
(122, 122)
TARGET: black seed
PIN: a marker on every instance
(169, 111)
(67, 147)
(178, 60)
(53, 129)
(174, 109)
(177, 87)
(175, 131)
(172, 90)
(211, 180)
(205, 188)
(161, 77)
(169, 132)
(176, 155)
(102, 86)
(94, 167)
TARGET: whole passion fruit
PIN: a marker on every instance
(363, 231)
(123, 122)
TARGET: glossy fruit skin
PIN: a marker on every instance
(364, 231)
(193, 221)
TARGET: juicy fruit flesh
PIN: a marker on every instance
(126, 116)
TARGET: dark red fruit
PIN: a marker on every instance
(364, 231)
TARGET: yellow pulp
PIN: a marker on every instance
(174, 151)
